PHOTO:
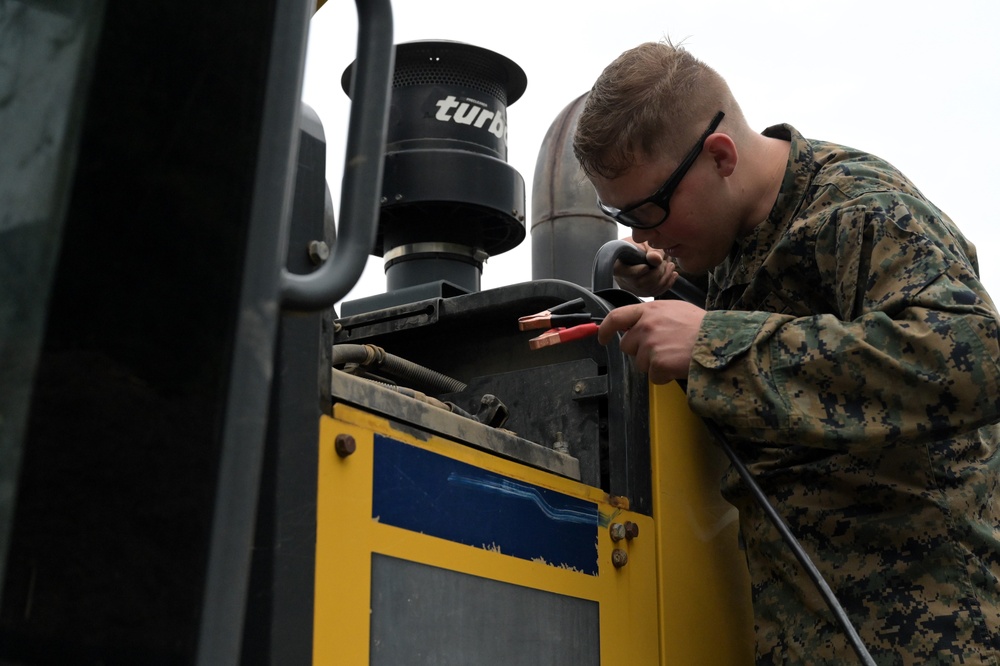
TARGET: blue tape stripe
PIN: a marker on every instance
(426, 492)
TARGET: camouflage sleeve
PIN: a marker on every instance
(912, 351)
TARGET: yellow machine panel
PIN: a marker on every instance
(427, 548)
(703, 586)
(424, 547)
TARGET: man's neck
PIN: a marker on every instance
(767, 178)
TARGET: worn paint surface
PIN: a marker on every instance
(432, 494)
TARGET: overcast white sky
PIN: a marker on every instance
(913, 81)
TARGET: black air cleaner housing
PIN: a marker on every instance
(449, 198)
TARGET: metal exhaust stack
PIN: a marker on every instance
(567, 226)
(449, 198)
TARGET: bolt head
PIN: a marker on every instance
(619, 558)
(617, 531)
(319, 252)
(344, 445)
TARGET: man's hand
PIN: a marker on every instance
(660, 335)
(653, 278)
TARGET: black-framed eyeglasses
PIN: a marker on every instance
(654, 210)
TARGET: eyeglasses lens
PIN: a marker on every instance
(647, 215)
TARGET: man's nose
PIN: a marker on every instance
(641, 235)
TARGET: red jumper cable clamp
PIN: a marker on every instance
(566, 322)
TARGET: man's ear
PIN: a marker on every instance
(723, 151)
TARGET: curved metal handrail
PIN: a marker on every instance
(363, 166)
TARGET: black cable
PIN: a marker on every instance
(817, 578)
(628, 253)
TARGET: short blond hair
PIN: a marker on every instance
(654, 99)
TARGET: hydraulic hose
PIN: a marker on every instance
(371, 356)
(625, 252)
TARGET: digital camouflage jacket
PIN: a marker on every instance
(851, 354)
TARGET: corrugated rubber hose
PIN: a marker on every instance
(371, 356)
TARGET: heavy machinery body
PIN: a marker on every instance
(196, 466)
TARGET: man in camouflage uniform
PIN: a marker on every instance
(848, 350)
